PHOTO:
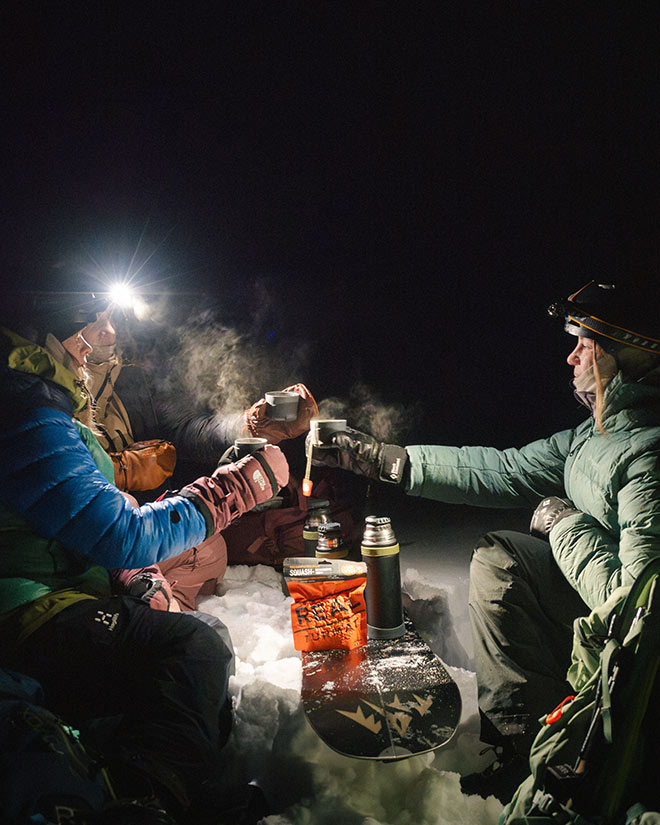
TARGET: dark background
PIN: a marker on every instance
(398, 189)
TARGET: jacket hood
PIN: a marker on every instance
(24, 356)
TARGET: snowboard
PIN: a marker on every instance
(387, 700)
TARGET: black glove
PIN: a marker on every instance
(362, 454)
(548, 513)
(145, 586)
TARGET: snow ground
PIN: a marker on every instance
(272, 743)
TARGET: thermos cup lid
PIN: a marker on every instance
(330, 527)
(378, 532)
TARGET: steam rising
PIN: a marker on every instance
(363, 410)
(273, 744)
(197, 361)
(224, 369)
(203, 363)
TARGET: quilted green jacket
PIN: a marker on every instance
(614, 480)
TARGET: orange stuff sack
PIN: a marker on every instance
(328, 610)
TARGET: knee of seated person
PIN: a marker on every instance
(488, 541)
(209, 642)
(195, 641)
(494, 549)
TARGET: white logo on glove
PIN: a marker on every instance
(395, 468)
(260, 480)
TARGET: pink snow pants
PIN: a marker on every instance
(197, 571)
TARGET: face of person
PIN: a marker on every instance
(582, 356)
(78, 348)
(101, 332)
(98, 333)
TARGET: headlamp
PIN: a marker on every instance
(122, 294)
(612, 317)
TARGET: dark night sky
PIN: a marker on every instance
(410, 184)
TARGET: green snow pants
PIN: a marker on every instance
(521, 611)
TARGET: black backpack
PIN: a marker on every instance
(46, 775)
(596, 759)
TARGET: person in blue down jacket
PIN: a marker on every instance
(146, 398)
(147, 689)
(595, 528)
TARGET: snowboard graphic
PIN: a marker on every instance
(387, 700)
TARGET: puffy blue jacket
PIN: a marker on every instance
(60, 515)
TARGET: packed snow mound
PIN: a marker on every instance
(429, 605)
(273, 745)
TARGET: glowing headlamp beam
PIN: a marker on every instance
(122, 295)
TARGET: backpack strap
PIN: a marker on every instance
(624, 629)
(638, 597)
(607, 671)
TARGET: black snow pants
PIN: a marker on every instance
(147, 689)
(521, 611)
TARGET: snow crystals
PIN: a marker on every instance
(273, 745)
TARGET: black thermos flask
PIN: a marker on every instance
(331, 541)
(380, 551)
(318, 513)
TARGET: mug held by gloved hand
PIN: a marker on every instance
(233, 489)
(362, 454)
(548, 513)
(257, 423)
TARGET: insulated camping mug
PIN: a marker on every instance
(282, 406)
(321, 430)
(247, 446)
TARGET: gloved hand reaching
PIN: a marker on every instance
(362, 454)
(548, 513)
(233, 489)
(257, 423)
(148, 584)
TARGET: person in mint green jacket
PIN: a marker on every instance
(595, 493)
